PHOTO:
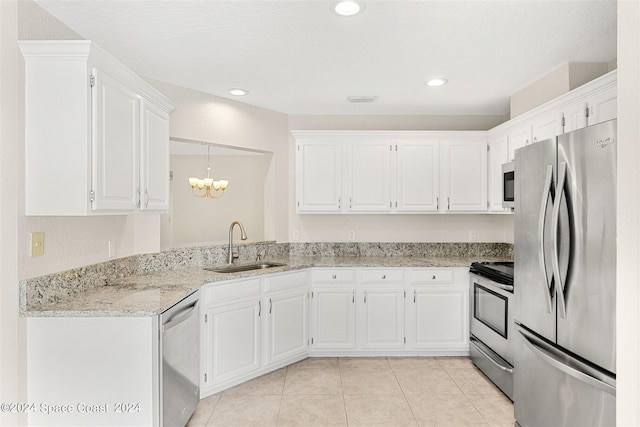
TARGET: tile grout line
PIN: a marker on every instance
(404, 395)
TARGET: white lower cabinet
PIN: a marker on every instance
(438, 312)
(232, 341)
(287, 319)
(252, 326)
(390, 312)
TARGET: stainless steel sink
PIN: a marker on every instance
(232, 268)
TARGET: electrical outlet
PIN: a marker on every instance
(296, 235)
(352, 235)
(112, 248)
(36, 243)
(472, 236)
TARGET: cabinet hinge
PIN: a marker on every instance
(205, 378)
(92, 196)
(206, 319)
(298, 147)
(405, 340)
(311, 340)
(390, 147)
(488, 148)
(390, 204)
(405, 294)
(396, 147)
(312, 294)
(298, 204)
(92, 80)
(586, 112)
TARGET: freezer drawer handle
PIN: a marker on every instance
(555, 261)
(543, 213)
(545, 353)
(488, 356)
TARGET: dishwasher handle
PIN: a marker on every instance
(180, 316)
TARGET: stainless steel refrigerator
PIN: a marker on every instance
(565, 280)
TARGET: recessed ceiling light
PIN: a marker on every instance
(236, 91)
(348, 7)
(438, 81)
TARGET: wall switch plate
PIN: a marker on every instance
(296, 235)
(473, 236)
(352, 235)
(112, 248)
(36, 243)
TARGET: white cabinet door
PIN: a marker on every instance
(319, 176)
(334, 318)
(549, 125)
(154, 165)
(382, 314)
(603, 106)
(417, 176)
(575, 116)
(439, 318)
(465, 177)
(497, 156)
(518, 138)
(287, 325)
(369, 176)
(116, 144)
(232, 341)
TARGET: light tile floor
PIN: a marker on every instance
(376, 391)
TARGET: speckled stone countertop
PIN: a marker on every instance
(148, 284)
(151, 293)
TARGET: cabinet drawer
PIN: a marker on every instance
(383, 276)
(286, 281)
(334, 275)
(230, 290)
(435, 275)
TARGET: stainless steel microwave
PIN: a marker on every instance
(508, 185)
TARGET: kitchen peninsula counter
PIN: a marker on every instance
(150, 293)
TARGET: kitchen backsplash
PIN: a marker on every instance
(55, 286)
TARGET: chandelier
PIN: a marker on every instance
(203, 187)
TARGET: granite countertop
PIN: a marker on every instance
(153, 293)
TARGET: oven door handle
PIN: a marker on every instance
(473, 340)
(491, 284)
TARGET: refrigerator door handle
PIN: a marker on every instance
(551, 356)
(543, 213)
(555, 261)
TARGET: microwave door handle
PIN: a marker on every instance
(546, 193)
(555, 261)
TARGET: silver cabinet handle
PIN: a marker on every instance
(137, 198)
(353, 297)
(146, 198)
(365, 297)
(259, 308)
(384, 276)
(448, 204)
(414, 296)
(270, 305)
(437, 203)
(333, 276)
(434, 277)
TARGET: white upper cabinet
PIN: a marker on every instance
(96, 134)
(603, 106)
(417, 176)
(389, 172)
(546, 126)
(464, 187)
(369, 176)
(319, 176)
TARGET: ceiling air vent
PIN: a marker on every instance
(361, 99)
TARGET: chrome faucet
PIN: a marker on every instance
(243, 236)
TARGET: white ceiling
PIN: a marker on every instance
(299, 57)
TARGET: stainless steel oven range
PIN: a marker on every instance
(492, 322)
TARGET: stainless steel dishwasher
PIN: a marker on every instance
(180, 360)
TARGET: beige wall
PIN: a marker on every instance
(203, 220)
(210, 119)
(560, 81)
(628, 214)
